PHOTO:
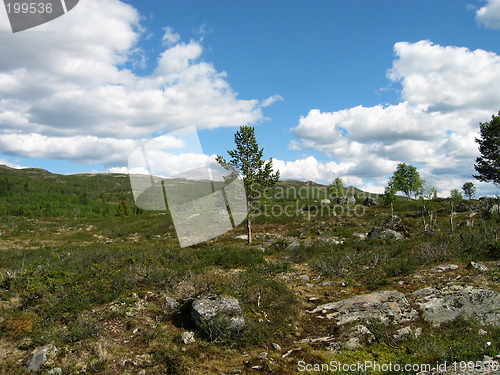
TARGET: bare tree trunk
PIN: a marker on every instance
(451, 216)
(249, 224)
(392, 213)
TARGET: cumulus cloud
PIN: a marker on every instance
(67, 84)
(271, 100)
(445, 92)
(489, 15)
(170, 37)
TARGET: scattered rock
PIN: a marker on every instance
(385, 306)
(304, 277)
(358, 336)
(346, 200)
(217, 315)
(384, 233)
(276, 347)
(477, 266)
(171, 303)
(370, 202)
(402, 333)
(482, 305)
(242, 237)
(482, 332)
(325, 202)
(359, 235)
(445, 268)
(187, 337)
(293, 244)
(418, 332)
(55, 371)
(40, 357)
(494, 209)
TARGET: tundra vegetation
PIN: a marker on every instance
(90, 284)
(95, 283)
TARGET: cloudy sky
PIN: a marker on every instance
(334, 88)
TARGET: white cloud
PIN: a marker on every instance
(446, 92)
(67, 83)
(11, 165)
(489, 15)
(308, 168)
(271, 100)
(446, 79)
(170, 37)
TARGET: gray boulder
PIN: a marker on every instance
(217, 316)
(477, 266)
(482, 305)
(187, 337)
(385, 306)
(444, 268)
(171, 303)
(384, 233)
(358, 336)
(40, 357)
(370, 202)
(346, 200)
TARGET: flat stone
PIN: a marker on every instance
(385, 306)
(482, 305)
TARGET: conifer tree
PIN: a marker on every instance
(247, 160)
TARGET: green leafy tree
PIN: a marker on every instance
(247, 160)
(488, 164)
(389, 198)
(469, 189)
(407, 180)
(122, 209)
(337, 188)
(456, 194)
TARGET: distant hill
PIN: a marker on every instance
(36, 192)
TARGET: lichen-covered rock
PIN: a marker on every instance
(345, 200)
(40, 357)
(217, 316)
(385, 306)
(482, 305)
(445, 268)
(477, 266)
(370, 202)
(384, 233)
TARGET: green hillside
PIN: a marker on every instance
(38, 193)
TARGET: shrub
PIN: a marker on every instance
(20, 324)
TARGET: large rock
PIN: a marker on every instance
(477, 266)
(217, 316)
(385, 306)
(346, 200)
(482, 305)
(384, 233)
(370, 202)
(40, 357)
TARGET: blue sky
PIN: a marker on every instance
(334, 88)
